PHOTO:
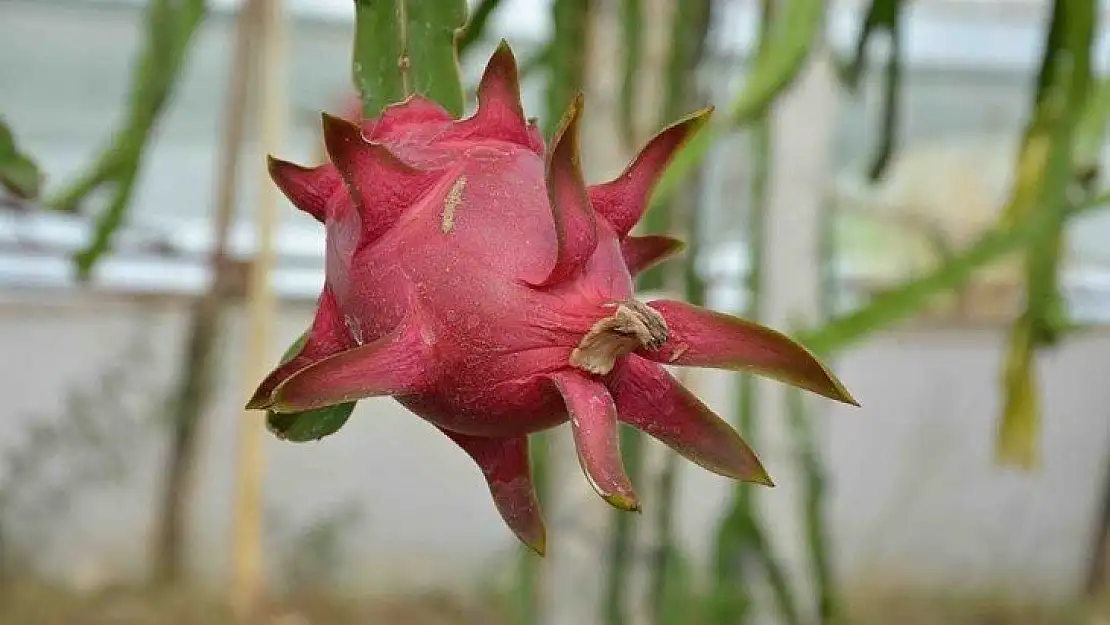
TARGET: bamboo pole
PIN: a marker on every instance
(247, 566)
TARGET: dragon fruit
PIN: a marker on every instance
(472, 275)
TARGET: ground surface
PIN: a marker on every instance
(34, 604)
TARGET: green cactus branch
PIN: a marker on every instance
(431, 28)
(883, 15)
(19, 173)
(379, 48)
(1046, 169)
(402, 47)
(793, 34)
(892, 89)
(170, 26)
(814, 492)
(1046, 162)
(476, 25)
(632, 52)
(885, 310)
(793, 31)
(566, 58)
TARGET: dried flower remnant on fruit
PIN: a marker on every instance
(633, 326)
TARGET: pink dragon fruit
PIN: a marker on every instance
(472, 275)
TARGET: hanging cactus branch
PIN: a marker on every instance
(379, 67)
(476, 24)
(1046, 169)
(18, 172)
(795, 30)
(901, 302)
(170, 26)
(632, 51)
(882, 15)
(431, 30)
(406, 47)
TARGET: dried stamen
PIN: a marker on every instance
(631, 326)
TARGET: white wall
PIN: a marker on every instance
(915, 499)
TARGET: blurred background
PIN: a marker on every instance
(910, 188)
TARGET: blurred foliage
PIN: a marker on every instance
(169, 29)
(740, 547)
(632, 53)
(742, 553)
(885, 16)
(44, 604)
(1045, 171)
(314, 555)
(62, 457)
(883, 311)
(788, 45)
(476, 24)
(18, 172)
(690, 29)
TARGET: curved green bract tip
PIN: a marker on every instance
(623, 502)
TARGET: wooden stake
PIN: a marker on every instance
(196, 382)
(247, 566)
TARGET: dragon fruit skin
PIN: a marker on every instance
(472, 275)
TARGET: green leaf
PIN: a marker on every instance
(404, 47)
(309, 425)
(18, 173)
